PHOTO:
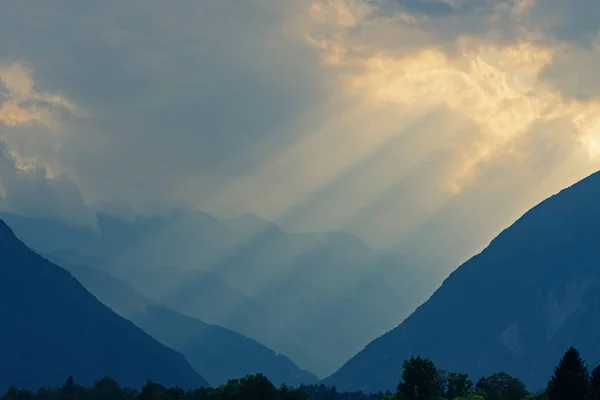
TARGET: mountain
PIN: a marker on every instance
(303, 293)
(317, 285)
(515, 307)
(299, 294)
(52, 328)
(201, 295)
(216, 353)
(249, 224)
(50, 235)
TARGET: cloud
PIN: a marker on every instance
(27, 189)
(22, 104)
(383, 117)
(501, 86)
(500, 69)
(181, 96)
(574, 22)
(572, 72)
(497, 88)
(27, 186)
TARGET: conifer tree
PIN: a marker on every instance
(570, 379)
(68, 389)
(595, 384)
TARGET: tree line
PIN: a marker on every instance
(251, 387)
(420, 380)
(571, 380)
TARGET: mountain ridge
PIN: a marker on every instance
(513, 306)
(58, 329)
(297, 293)
(217, 353)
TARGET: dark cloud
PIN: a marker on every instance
(574, 21)
(572, 74)
(173, 92)
(432, 8)
(441, 8)
(31, 192)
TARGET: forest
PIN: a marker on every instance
(419, 380)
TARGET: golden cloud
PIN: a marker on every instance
(22, 104)
(496, 85)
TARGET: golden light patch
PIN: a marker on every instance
(22, 104)
(591, 140)
(342, 13)
(21, 164)
(497, 86)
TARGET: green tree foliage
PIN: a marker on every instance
(471, 396)
(322, 392)
(570, 379)
(458, 386)
(501, 386)
(421, 380)
(251, 387)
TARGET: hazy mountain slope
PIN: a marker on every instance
(335, 291)
(298, 294)
(203, 296)
(52, 328)
(215, 352)
(249, 225)
(49, 235)
(516, 306)
(182, 238)
(314, 287)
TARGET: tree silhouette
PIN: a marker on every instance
(458, 385)
(421, 380)
(147, 392)
(570, 379)
(501, 386)
(258, 387)
(69, 389)
(594, 389)
(106, 389)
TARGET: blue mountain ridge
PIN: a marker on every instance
(515, 307)
(52, 328)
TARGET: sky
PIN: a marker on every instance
(427, 125)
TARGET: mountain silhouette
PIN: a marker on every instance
(299, 294)
(53, 328)
(515, 307)
(203, 296)
(217, 353)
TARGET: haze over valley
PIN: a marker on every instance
(299, 199)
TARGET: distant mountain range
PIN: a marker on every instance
(216, 353)
(515, 307)
(299, 294)
(51, 328)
